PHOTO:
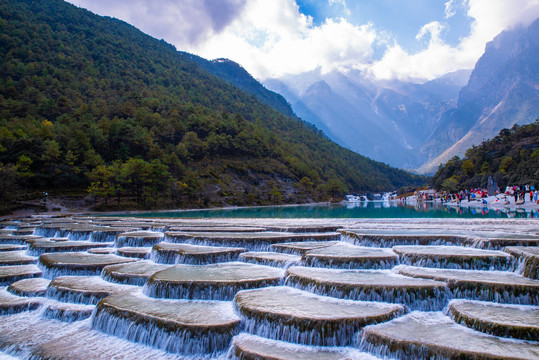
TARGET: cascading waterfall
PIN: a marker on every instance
(390, 241)
(54, 272)
(74, 318)
(204, 341)
(168, 257)
(201, 291)
(64, 295)
(425, 299)
(359, 264)
(455, 263)
(498, 295)
(248, 245)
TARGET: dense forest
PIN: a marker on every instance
(90, 103)
(511, 158)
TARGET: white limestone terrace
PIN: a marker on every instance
(515, 321)
(355, 289)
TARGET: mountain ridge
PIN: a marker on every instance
(503, 90)
(418, 126)
(90, 101)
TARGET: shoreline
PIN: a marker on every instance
(494, 202)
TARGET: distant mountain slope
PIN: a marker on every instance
(511, 158)
(386, 121)
(503, 90)
(419, 126)
(89, 101)
(235, 74)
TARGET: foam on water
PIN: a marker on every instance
(154, 324)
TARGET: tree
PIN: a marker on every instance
(8, 180)
(467, 166)
(451, 185)
(102, 182)
(135, 174)
(335, 189)
(51, 157)
(24, 173)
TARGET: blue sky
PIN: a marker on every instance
(402, 20)
(411, 40)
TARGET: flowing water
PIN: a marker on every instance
(369, 210)
(269, 288)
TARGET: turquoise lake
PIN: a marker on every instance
(343, 210)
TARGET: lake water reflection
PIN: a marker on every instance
(371, 209)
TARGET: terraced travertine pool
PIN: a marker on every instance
(83, 287)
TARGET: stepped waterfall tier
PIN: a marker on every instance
(516, 321)
(284, 313)
(85, 287)
(215, 281)
(176, 326)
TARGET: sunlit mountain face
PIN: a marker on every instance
(383, 87)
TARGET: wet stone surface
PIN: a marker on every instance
(297, 316)
(347, 256)
(12, 247)
(250, 241)
(515, 321)
(29, 287)
(58, 264)
(103, 250)
(301, 248)
(453, 257)
(16, 258)
(528, 258)
(171, 253)
(270, 258)
(138, 239)
(499, 286)
(215, 281)
(370, 285)
(10, 274)
(39, 247)
(422, 335)
(134, 252)
(248, 298)
(180, 326)
(83, 289)
(251, 347)
(390, 238)
(216, 229)
(11, 304)
(67, 312)
(134, 273)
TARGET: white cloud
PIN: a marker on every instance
(272, 38)
(342, 3)
(177, 21)
(433, 28)
(489, 18)
(450, 8)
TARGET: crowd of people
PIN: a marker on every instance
(521, 195)
(520, 192)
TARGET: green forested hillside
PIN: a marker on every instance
(89, 102)
(511, 158)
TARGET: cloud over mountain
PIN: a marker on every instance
(275, 38)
